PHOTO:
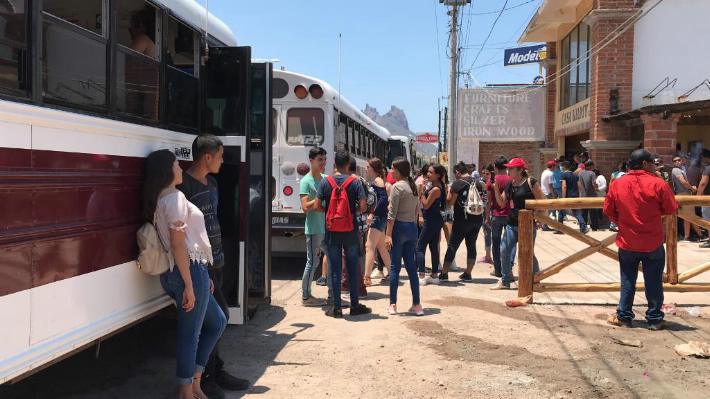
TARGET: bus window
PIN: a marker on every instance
(274, 124)
(87, 14)
(341, 140)
(305, 126)
(13, 47)
(137, 66)
(74, 53)
(182, 84)
(351, 135)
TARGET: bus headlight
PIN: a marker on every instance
(287, 168)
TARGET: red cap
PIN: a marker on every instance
(551, 164)
(517, 163)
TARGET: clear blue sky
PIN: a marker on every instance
(390, 53)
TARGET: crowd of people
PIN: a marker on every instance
(363, 228)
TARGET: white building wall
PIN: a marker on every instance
(672, 40)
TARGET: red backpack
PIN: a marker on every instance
(339, 218)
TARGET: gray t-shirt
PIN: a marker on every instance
(586, 179)
(678, 188)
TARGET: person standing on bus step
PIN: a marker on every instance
(466, 227)
(432, 204)
(499, 214)
(341, 196)
(181, 225)
(201, 190)
(401, 233)
(520, 189)
(636, 203)
(315, 222)
(378, 219)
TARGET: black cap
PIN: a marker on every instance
(637, 157)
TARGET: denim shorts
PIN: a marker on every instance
(379, 223)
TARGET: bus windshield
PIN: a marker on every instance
(396, 150)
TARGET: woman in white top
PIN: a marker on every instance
(181, 228)
(601, 183)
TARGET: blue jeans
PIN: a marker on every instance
(653, 263)
(335, 269)
(508, 251)
(430, 235)
(404, 241)
(199, 329)
(313, 245)
(578, 214)
(498, 224)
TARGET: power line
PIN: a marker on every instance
(490, 32)
(496, 12)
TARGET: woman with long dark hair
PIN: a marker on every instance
(401, 235)
(375, 171)
(181, 227)
(432, 200)
(520, 189)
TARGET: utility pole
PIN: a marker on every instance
(453, 80)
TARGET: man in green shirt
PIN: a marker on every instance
(315, 221)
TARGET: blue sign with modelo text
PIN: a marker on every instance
(525, 55)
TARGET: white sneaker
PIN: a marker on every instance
(377, 274)
(433, 280)
(423, 281)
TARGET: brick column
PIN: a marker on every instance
(660, 135)
(551, 100)
(612, 67)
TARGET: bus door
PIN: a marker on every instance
(261, 186)
(226, 96)
(277, 143)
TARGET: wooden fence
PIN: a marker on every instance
(538, 210)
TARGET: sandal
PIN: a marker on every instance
(368, 281)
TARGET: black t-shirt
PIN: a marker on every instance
(356, 192)
(206, 198)
(517, 195)
(461, 187)
(571, 180)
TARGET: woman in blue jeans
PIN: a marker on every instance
(401, 233)
(181, 229)
(432, 200)
(520, 189)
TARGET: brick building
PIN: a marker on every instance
(622, 74)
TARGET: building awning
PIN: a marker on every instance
(544, 25)
(674, 108)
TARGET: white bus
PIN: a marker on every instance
(403, 146)
(87, 90)
(309, 112)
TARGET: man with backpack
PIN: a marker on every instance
(341, 197)
(468, 199)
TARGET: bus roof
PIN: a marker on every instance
(404, 139)
(330, 95)
(193, 13)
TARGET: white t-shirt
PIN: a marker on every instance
(175, 212)
(546, 181)
(601, 183)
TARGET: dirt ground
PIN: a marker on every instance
(468, 344)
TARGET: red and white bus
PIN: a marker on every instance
(88, 89)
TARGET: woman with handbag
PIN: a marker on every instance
(181, 227)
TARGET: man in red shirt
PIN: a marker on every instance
(499, 215)
(636, 203)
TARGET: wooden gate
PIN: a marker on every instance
(538, 209)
